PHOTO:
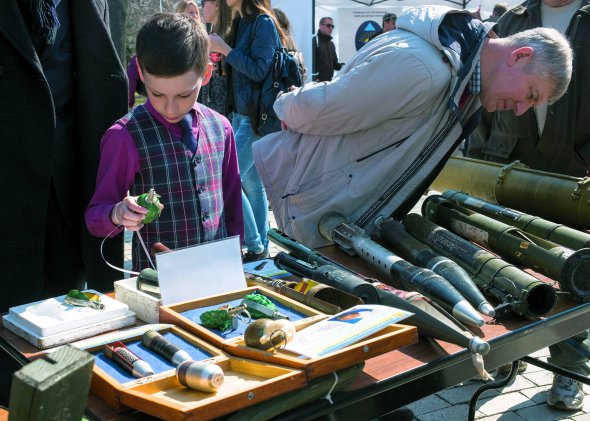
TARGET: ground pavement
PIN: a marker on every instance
(524, 400)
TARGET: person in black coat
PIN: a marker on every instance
(62, 87)
(325, 59)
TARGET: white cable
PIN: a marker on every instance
(105, 260)
(328, 396)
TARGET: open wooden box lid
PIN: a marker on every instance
(186, 314)
(163, 396)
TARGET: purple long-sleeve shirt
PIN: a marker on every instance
(119, 162)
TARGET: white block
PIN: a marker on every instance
(127, 319)
(53, 316)
(144, 305)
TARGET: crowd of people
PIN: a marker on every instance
(82, 152)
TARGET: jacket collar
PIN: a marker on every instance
(324, 36)
(14, 29)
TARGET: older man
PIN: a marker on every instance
(370, 142)
(552, 138)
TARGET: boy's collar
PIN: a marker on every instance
(196, 110)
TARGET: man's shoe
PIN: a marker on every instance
(565, 393)
(504, 370)
(401, 414)
(251, 256)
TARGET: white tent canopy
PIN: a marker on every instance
(348, 15)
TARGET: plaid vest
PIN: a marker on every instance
(190, 185)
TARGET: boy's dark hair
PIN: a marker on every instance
(171, 44)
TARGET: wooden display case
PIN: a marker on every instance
(246, 382)
(186, 315)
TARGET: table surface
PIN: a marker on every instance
(399, 377)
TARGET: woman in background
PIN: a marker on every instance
(218, 15)
(290, 44)
(249, 53)
(188, 7)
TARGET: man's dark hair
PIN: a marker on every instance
(389, 17)
(171, 44)
(323, 20)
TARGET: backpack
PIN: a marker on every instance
(283, 74)
(298, 57)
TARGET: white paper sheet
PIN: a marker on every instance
(206, 269)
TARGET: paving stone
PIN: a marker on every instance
(581, 417)
(537, 394)
(521, 382)
(541, 378)
(505, 402)
(428, 404)
(509, 416)
(545, 413)
(455, 412)
(463, 394)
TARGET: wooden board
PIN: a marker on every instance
(108, 386)
(246, 383)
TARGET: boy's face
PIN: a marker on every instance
(174, 97)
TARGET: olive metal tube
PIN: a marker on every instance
(570, 269)
(525, 294)
(558, 233)
(557, 197)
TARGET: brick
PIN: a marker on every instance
(429, 404)
(505, 402)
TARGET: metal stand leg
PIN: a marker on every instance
(493, 385)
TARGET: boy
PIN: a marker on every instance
(182, 149)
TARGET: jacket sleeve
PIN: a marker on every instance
(394, 84)
(335, 64)
(257, 63)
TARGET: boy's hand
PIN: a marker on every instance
(129, 214)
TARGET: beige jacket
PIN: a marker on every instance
(369, 142)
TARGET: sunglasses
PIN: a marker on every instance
(329, 25)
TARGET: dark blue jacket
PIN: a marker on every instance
(251, 58)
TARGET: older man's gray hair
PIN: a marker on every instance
(552, 57)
